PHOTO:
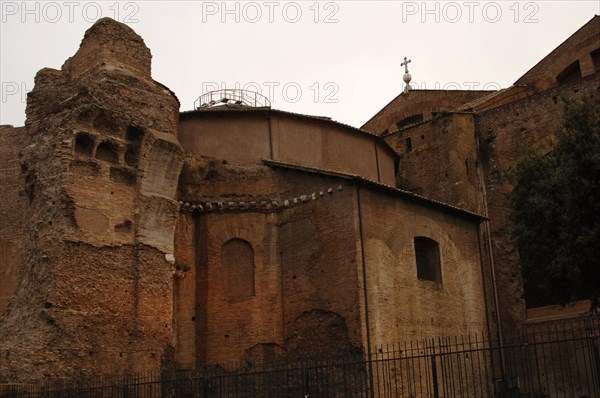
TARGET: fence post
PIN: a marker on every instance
(596, 359)
(436, 392)
(205, 387)
(306, 381)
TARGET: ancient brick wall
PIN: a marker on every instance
(403, 305)
(298, 298)
(319, 248)
(306, 294)
(208, 325)
(457, 158)
(111, 47)
(13, 211)
(126, 264)
(439, 160)
(502, 132)
(186, 306)
(244, 310)
(577, 56)
(100, 171)
(425, 104)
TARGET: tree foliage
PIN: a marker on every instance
(556, 212)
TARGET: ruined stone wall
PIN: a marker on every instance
(100, 179)
(13, 211)
(439, 160)
(240, 289)
(210, 327)
(530, 122)
(186, 306)
(403, 305)
(319, 249)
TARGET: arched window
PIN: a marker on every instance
(237, 261)
(132, 157)
(84, 144)
(134, 135)
(107, 151)
(427, 253)
(407, 121)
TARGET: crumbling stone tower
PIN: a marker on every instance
(100, 164)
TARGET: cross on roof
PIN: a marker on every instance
(405, 64)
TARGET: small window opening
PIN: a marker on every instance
(596, 59)
(132, 157)
(84, 144)
(107, 151)
(408, 144)
(134, 134)
(427, 253)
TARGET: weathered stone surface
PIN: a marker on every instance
(95, 293)
(13, 211)
(111, 47)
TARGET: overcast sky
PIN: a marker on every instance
(331, 58)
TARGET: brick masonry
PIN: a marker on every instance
(123, 222)
(460, 155)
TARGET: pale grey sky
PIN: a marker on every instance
(331, 58)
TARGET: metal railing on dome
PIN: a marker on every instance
(232, 98)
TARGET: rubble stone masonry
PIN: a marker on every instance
(99, 160)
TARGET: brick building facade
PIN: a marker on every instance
(136, 237)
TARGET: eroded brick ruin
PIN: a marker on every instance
(135, 237)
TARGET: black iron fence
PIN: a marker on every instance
(550, 359)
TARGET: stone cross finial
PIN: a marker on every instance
(405, 64)
(407, 77)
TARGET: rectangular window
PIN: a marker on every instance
(427, 253)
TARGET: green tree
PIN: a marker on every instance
(556, 212)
